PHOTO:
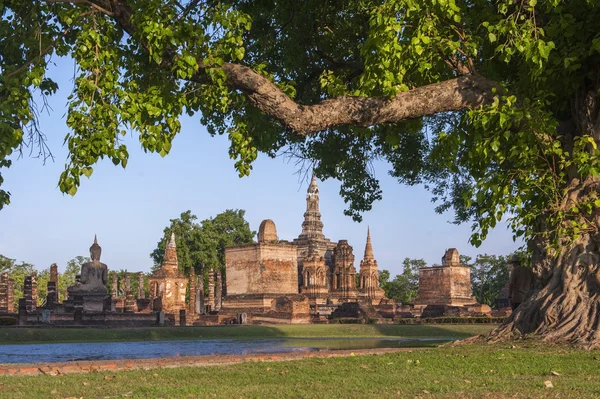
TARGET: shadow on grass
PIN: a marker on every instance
(55, 335)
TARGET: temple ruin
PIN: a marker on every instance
(305, 279)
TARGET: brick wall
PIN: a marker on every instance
(262, 268)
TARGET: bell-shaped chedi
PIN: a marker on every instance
(368, 281)
(267, 232)
(168, 282)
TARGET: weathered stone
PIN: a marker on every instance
(130, 302)
(141, 291)
(115, 286)
(30, 293)
(261, 268)
(449, 284)
(312, 232)
(218, 291)
(192, 291)
(344, 273)
(54, 273)
(267, 232)
(127, 285)
(93, 276)
(168, 282)
(51, 295)
(4, 306)
(211, 290)
(315, 277)
(369, 275)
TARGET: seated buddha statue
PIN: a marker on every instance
(94, 275)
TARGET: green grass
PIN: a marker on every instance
(44, 335)
(473, 371)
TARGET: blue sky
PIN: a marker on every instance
(129, 208)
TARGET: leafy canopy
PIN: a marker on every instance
(202, 245)
(247, 67)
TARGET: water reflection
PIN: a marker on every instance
(38, 353)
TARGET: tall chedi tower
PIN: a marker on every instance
(368, 282)
(312, 231)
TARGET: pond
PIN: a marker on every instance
(64, 352)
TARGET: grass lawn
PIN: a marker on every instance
(45, 335)
(473, 371)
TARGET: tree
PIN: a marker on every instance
(489, 274)
(404, 287)
(492, 104)
(202, 245)
(69, 276)
(188, 239)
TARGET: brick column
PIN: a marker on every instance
(54, 273)
(11, 295)
(130, 302)
(30, 293)
(192, 292)
(4, 292)
(211, 290)
(127, 287)
(200, 295)
(51, 295)
(141, 292)
(115, 286)
(219, 291)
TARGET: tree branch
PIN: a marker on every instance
(468, 91)
(452, 95)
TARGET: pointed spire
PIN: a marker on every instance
(313, 181)
(172, 241)
(95, 239)
(369, 247)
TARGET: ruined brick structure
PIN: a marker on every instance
(168, 283)
(4, 304)
(30, 293)
(310, 271)
(141, 292)
(52, 287)
(315, 277)
(368, 281)
(449, 284)
(343, 281)
(312, 232)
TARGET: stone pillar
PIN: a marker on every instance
(200, 295)
(11, 295)
(130, 302)
(127, 283)
(211, 291)
(53, 299)
(141, 292)
(30, 293)
(115, 286)
(51, 295)
(4, 292)
(54, 273)
(192, 291)
(218, 292)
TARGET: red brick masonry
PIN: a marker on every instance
(172, 362)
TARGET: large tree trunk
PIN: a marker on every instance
(565, 305)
